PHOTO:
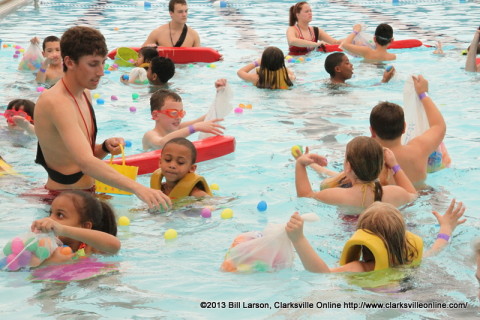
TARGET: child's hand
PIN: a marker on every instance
(450, 220)
(387, 75)
(34, 40)
(307, 159)
(294, 227)
(420, 83)
(389, 158)
(357, 27)
(58, 257)
(220, 84)
(21, 122)
(209, 127)
(46, 225)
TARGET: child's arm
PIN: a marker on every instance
(198, 193)
(42, 72)
(350, 47)
(98, 240)
(245, 74)
(302, 183)
(448, 222)
(24, 124)
(470, 64)
(387, 75)
(399, 175)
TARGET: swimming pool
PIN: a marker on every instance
(159, 279)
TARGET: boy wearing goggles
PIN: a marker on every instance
(167, 111)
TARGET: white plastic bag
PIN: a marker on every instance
(138, 75)
(220, 108)
(32, 58)
(269, 250)
(417, 124)
(28, 250)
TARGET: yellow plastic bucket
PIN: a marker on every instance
(124, 57)
(128, 171)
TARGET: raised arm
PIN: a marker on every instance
(352, 48)
(470, 64)
(427, 142)
(448, 222)
(302, 183)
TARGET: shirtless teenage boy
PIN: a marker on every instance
(66, 127)
(176, 33)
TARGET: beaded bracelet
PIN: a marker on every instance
(255, 63)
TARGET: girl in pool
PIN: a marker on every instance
(19, 115)
(82, 222)
(381, 240)
(300, 36)
(383, 37)
(364, 159)
(271, 72)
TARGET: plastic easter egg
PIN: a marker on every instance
(262, 206)
(135, 96)
(241, 105)
(244, 267)
(248, 106)
(17, 245)
(42, 253)
(100, 101)
(107, 71)
(40, 89)
(123, 221)
(133, 109)
(288, 57)
(388, 68)
(206, 213)
(15, 56)
(170, 234)
(12, 262)
(214, 186)
(115, 29)
(297, 151)
(66, 250)
(7, 249)
(114, 98)
(23, 259)
(125, 77)
(31, 244)
(238, 110)
(228, 266)
(260, 266)
(96, 95)
(227, 214)
(128, 143)
(212, 65)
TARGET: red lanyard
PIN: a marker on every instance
(81, 114)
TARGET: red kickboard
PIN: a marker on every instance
(207, 149)
(396, 44)
(182, 55)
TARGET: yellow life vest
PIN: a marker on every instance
(351, 250)
(183, 188)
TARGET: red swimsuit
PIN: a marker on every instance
(302, 50)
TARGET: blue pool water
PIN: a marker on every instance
(159, 279)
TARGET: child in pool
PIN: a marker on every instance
(81, 222)
(167, 111)
(150, 68)
(51, 69)
(364, 160)
(384, 221)
(19, 115)
(270, 71)
(383, 37)
(176, 162)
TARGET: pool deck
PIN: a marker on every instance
(7, 6)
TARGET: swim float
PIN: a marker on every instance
(396, 44)
(182, 55)
(207, 149)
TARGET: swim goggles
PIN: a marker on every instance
(10, 113)
(173, 113)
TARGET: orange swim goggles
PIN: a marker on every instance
(10, 113)
(172, 113)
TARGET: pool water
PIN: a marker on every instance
(170, 279)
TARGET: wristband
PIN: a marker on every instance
(355, 32)
(255, 63)
(443, 236)
(396, 168)
(104, 146)
(422, 95)
(43, 70)
(191, 129)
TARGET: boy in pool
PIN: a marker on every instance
(156, 71)
(340, 69)
(51, 69)
(167, 111)
(387, 124)
(177, 166)
(383, 37)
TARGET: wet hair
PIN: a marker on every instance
(80, 41)
(148, 53)
(99, 213)
(333, 60)
(157, 100)
(365, 156)
(49, 39)
(172, 3)
(387, 120)
(272, 61)
(28, 106)
(186, 143)
(163, 67)
(384, 34)
(294, 10)
(386, 222)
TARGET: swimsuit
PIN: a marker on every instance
(180, 40)
(303, 50)
(58, 176)
(280, 76)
